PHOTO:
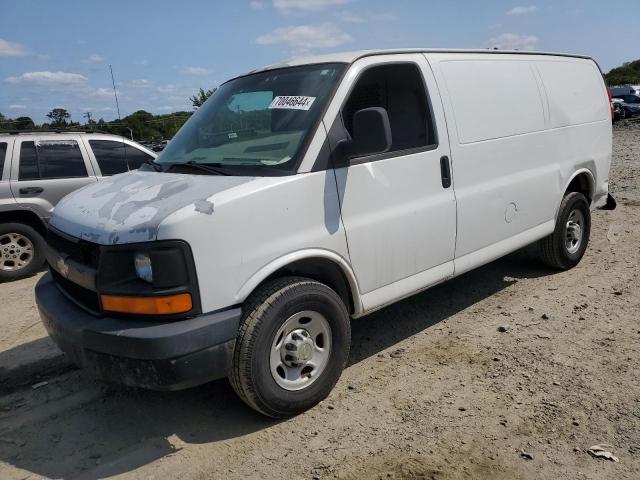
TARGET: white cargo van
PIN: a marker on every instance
(305, 193)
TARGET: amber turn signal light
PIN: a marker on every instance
(163, 305)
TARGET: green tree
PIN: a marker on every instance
(59, 117)
(628, 73)
(23, 123)
(199, 98)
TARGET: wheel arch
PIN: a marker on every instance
(324, 266)
(582, 181)
(26, 217)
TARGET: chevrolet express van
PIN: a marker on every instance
(305, 193)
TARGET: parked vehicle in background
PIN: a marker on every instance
(631, 99)
(619, 90)
(38, 169)
(306, 193)
(623, 110)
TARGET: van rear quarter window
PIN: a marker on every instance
(493, 98)
(575, 92)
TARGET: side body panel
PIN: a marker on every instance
(514, 150)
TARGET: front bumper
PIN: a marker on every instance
(156, 355)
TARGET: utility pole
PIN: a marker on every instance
(87, 115)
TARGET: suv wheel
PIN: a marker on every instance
(21, 251)
(564, 248)
(292, 346)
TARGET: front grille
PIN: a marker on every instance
(82, 251)
(88, 299)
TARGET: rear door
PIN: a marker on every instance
(398, 213)
(45, 168)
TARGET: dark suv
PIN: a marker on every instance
(36, 171)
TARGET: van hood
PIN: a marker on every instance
(129, 208)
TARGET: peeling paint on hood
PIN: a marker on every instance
(129, 207)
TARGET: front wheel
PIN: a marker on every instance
(21, 251)
(564, 248)
(292, 346)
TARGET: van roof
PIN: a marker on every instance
(350, 57)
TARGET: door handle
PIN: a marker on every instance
(445, 172)
(31, 190)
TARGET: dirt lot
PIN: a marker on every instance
(433, 389)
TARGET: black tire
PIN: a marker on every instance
(264, 313)
(553, 249)
(38, 256)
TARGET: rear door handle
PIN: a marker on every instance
(31, 190)
(445, 172)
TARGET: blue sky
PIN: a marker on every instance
(57, 53)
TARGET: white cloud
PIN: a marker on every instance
(350, 17)
(257, 5)
(103, 92)
(522, 10)
(143, 62)
(513, 41)
(166, 88)
(286, 6)
(93, 58)
(49, 79)
(306, 37)
(10, 49)
(196, 71)
(16, 106)
(141, 83)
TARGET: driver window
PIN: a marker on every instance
(400, 90)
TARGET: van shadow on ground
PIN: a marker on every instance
(96, 431)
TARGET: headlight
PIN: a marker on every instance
(144, 270)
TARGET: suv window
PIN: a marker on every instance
(136, 157)
(400, 90)
(117, 157)
(51, 159)
(3, 153)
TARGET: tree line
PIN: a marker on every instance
(627, 74)
(141, 125)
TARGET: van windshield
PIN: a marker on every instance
(256, 124)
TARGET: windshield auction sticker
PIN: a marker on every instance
(292, 102)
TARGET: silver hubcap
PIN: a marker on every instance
(300, 350)
(16, 252)
(574, 231)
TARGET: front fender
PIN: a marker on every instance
(281, 262)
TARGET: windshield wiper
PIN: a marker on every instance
(211, 168)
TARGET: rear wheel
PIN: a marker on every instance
(21, 251)
(292, 346)
(564, 248)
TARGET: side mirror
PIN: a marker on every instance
(371, 132)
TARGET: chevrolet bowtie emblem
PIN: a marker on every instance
(62, 267)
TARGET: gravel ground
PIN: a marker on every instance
(433, 391)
